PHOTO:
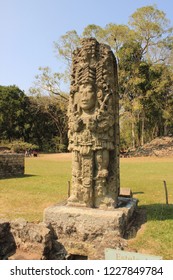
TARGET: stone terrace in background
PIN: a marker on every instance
(158, 147)
(11, 165)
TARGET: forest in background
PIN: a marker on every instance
(144, 53)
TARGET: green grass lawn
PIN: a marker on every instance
(145, 178)
(46, 183)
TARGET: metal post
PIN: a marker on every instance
(69, 189)
(166, 192)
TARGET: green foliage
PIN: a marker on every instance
(125, 132)
(58, 146)
(48, 83)
(50, 121)
(13, 104)
(149, 22)
(35, 120)
(95, 31)
(18, 146)
(66, 45)
(152, 30)
(117, 35)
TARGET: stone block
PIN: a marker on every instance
(11, 165)
(87, 231)
(125, 192)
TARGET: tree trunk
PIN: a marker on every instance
(133, 134)
(165, 130)
(142, 128)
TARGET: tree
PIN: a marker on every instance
(50, 100)
(144, 76)
(159, 100)
(95, 31)
(56, 110)
(36, 120)
(66, 45)
(13, 104)
(144, 51)
(117, 36)
(153, 31)
(48, 83)
(49, 97)
(130, 91)
(47, 121)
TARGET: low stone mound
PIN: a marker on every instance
(22, 240)
(158, 147)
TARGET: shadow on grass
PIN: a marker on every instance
(139, 218)
(138, 192)
(144, 213)
(29, 175)
(20, 176)
(159, 212)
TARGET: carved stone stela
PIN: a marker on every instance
(94, 127)
(83, 225)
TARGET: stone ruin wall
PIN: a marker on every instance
(22, 240)
(11, 165)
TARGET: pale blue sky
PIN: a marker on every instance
(28, 29)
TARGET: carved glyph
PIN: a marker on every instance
(94, 126)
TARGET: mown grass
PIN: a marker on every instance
(45, 183)
(145, 178)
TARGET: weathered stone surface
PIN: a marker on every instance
(94, 127)
(88, 231)
(23, 240)
(7, 242)
(11, 165)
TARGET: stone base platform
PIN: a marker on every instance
(86, 232)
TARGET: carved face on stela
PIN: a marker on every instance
(87, 97)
